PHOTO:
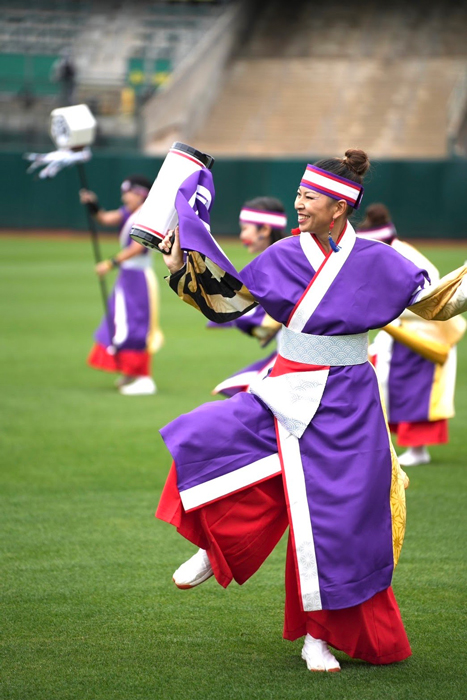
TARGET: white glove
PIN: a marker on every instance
(56, 160)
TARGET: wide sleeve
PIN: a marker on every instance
(208, 281)
(445, 300)
(258, 324)
(220, 296)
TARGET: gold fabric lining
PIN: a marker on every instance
(155, 337)
(442, 391)
(435, 306)
(266, 331)
(205, 286)
(431, 350)
(397, 502)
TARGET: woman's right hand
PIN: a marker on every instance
(86, 196)
(174, 258)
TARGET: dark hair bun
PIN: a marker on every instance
(377, 215)
(357, 160)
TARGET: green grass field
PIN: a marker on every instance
(89, 611)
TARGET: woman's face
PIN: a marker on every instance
(315, 211)
(255, 238)
(132, 200)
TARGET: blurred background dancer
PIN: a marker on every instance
(262, 221)
(133, 310)
(416, 360)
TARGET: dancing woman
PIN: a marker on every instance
(308, 446)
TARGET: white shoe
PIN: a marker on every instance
(194, 571)
(141, 386)
(414, 456)
(318, 657)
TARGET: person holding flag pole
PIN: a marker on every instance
(134, 334)
(73, 130)
(129, 332)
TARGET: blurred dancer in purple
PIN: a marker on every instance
(262, 223)
(308, 445)
(134, 303)
(415, 359)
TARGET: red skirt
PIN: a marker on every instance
(422, 433)
(132, 363)
(241, 530)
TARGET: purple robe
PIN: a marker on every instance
(130, 302)
(415, 389)
(411, 379)
(343, 456)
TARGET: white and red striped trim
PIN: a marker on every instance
(188, 156)
(244, 379)
(148, 229)
(210, 491)
(386, 232)
(322, 280)
(270, 218)
(332, 185)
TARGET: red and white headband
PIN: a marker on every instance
(332, 185)
(256, 216)
(384, 233)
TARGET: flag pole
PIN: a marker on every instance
(73, 129)
(97, 253)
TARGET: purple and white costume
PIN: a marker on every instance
(415, 389)
(134, 315)
(317, 418)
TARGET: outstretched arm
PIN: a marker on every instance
(106, 218)
(103, 267)
(203, 284)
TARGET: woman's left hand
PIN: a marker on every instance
(103, 267)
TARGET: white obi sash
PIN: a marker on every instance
(294, 398)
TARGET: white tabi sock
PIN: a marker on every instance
(317, 655)
(194, 571)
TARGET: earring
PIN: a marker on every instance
(333, 245)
